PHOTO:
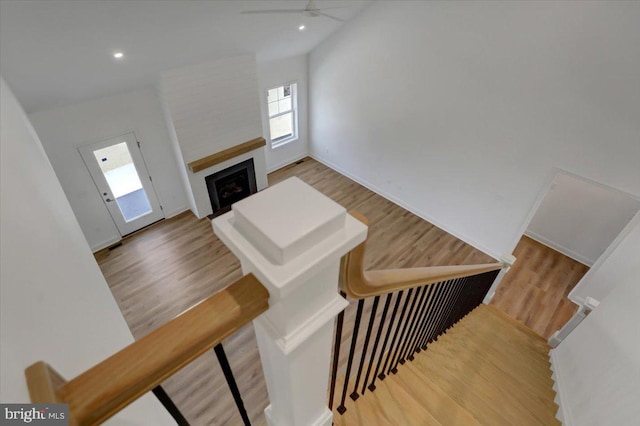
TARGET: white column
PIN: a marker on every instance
(291, 237)
(507, 260)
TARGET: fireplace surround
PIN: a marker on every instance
(230, 185)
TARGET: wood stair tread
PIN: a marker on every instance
(451, 376)
(519, 325)
(516, 328)
(485, 327)
(487, 378)
(390, 404)
(501, 359)
(501, 347)
(486, 370)
(441, 406)
(485, 411)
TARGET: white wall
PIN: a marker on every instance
(598, 365)
(276, 73)
(212, 107)
(580, 218)
(610, 269)
(62, 130)
(175, 146)
(55, 303)
(460, 110)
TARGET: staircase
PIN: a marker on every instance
(489, 369)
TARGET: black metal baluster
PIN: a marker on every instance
(341, 408)
(166, 401)
(457, 299)
(472, 295)
(396, 334)
(354, 394)
(459, 302)
(372, 386)
(467, 296)
(446, 314)
(423, 316)
(436, 318)
(435, 332)
(381, 376)
(231, 381)
(336, 355)
(433, 310)
(413, 327)
(460, 309)
(405, 330)
(430, 311)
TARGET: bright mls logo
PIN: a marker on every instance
(36, 414)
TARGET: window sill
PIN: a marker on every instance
(278, 144)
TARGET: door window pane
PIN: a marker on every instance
(117, 166)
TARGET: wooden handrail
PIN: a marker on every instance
(108, 387)
(359, 284)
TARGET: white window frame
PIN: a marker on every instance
(294, 114)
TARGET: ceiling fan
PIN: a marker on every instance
(311, 11)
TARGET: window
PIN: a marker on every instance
(283, 121)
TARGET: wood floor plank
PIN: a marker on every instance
(535, 289)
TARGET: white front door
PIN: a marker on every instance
(120, 175)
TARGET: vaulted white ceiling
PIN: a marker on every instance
(56, 53)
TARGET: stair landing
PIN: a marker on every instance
(489, 369)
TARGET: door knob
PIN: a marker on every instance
(108, 200)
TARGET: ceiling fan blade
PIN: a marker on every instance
(275, 11)
(333, 7)
(329, 16)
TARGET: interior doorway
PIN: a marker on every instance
(580, 218)
(572, 226)
(119, 172)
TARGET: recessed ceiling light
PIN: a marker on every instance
(118, 55)
(301, 27)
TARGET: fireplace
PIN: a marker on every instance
(230, 185)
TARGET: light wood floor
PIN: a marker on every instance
(488, 370)
(535, 289)
(163, 270)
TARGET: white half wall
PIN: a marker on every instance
(597, 366)
(461, 110)
(581, 219)
(55, 303)
(63, 129)
(277, 73)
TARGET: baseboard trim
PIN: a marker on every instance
(559, 248)
(176, 212)
(407, 207)
(564, 413)
(286, 163)
(105, 244)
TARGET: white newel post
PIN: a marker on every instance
(507, 260)
(291, 237)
